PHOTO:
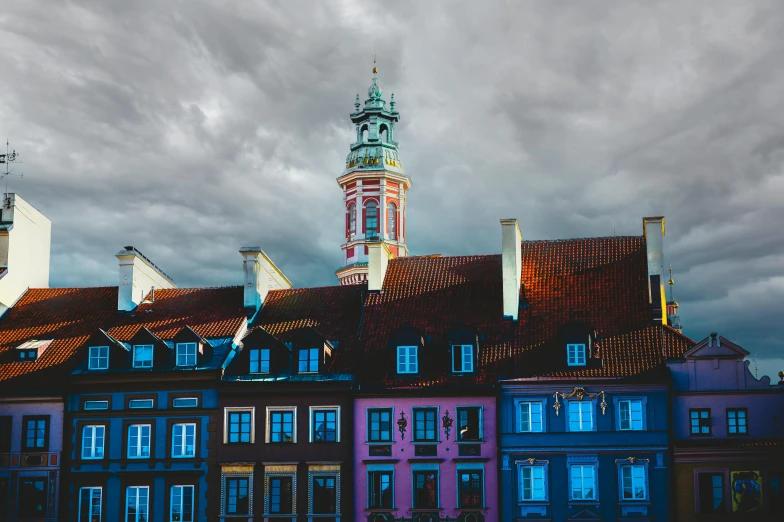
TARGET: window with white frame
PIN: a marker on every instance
(183, 441)
(185, 402)
(381, 486)
(325, 424)
(324, 487)
(137, 500)
(530, 416)
(141, 403)
(462, 358)
(575, 354)
(582, 482)
(308, 360)
(259, 360)
(633, 481)
(407, 361)
(186, 354)
(181, 504)
(98, 358)
(580, 415)
(533, 482)
(96, 405)
(631, 414)
(93, 439)
(139, 441)
(90, 504)
(281, 424)
(142, 356)
(238, 426)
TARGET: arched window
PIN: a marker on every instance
(391, 221)
(364, 131)
(352, 220)
(371, 220)
(383, 132)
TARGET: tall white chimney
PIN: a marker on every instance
(378, 260)
(261, 276)
(653, 230)
(511, 265)
(138, 276)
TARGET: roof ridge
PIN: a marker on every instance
(566, 240)
(678, 332)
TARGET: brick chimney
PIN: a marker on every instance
(261, 276)
(511, 266)
(138, 277)
(653, 231)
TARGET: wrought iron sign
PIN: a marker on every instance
(401, 425)
(580, 393)
(446, 422)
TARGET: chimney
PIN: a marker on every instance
(378, 260)
(138, 276)
(261, 276)
(511, 265)
(653, 231)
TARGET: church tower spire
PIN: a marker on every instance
(374, 185)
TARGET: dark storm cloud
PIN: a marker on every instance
(190, 129)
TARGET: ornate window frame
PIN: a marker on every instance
(280, 469)
(632, 461)
(324, 469)
(583, 460)
(240, 470)
(594, 419)
(617, 405)
(533, 463)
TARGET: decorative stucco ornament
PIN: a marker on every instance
(580, 393)
(446, 422)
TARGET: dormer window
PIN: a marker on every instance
(31, 350)
(186, 354)
(259, 360)
(142, 356)
(575, 354)
(28, 355)
(98, 358)
(308, 360)
(462, 358)
(407, 361)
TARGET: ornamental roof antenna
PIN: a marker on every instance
(374, 187)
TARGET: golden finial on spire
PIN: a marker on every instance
(671, 282)
(375, 69)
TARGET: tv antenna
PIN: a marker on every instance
(10, 156)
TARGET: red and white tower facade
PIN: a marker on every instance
(374, 186)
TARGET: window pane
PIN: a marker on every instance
(380, 487)
(142, 356)
(32, 497)
(280, 494)
(380, 425)
(181, 504)
(470, 486)
(425, 424)
(282, 426)
(468, 424)
(237, 496)
(324, 495)
(136, 507)
(90, 504)
(425, 489)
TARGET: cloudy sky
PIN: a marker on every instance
(192, 128)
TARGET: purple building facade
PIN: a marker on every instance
(727, 436)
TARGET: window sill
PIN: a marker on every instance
(381, 510)
(478, 441)
(378, 443)
(425, 510)
(426, 442)
(473, 509)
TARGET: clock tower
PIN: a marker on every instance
(374, 186)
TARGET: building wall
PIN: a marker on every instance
(448, 459)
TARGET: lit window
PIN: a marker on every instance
(407, 359)
(141, 403)
(700, 420)
(93, 438)
(633, 483)
(381, 487)
(36, 433)
(371, 220)
(530, 417)
(96, 405)
(90, 504)
(99, 358)
(137, 503)
(308, 360)
(391, 221)
(142, 356)
(183, 441)
(237, 489)
(259, 360)
(239, 426)
(324, 425)
(736, 421)
(324, 499)
(186, 354)
(575, 354)
(532, 483)
(580, 416)
(711, 492)
(139, 441)
(281, 496)
(630, 414)
(425, 425)
(32, 497)
(469, 424)
(470, 489)
(181, 506)
(462, 358)
(583, 482)
(425, 489)
(379, 425)
(280, 425)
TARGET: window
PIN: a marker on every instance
(736, 421)
(470, 486)
(324, 495)
(352, 220)
(575, 354)
(308, 360)
(139, 441)
(700, 421)
(580, 416)
(407, 359)
(371, 220)
(425, 424)
(28, 355)
(90, 504)
(98, 358)
(142, 356)
(237, 496)
(633, 483)
(141, 403)
(583, 482)
(186, 354)
(183, 440)
(379, 425)
(96, 405)
(93, 438)
(185, 402)
(137, 503)
(5, 434)
(32, 497)
(391, 221)
(281, 497)
(462, 358)
(425, 489)
(324, 425)
(280, 425)
(239, 427)
(259, 360)
(711, 492)
(532, 483)
(36, 433)
(531, 417)
(630, 415)
(181, 504)
(469, 424)
(380, 488)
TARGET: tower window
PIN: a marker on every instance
(352, 220)
(391, 221)
(371, 220)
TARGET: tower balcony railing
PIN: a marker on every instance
(29, 459)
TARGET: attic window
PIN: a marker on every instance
(186, 354)
(308, 360)
(28, 355)
(259, 360)
(407, 361)
(462, 358)
(575, 354)
(99, 358)
(31, 350)
(142, 356)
